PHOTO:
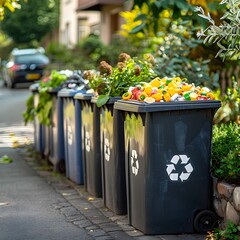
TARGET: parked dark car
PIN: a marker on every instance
(24, 65)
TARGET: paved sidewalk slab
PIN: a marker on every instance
(83, 210)
(26, 205)
(37, 203)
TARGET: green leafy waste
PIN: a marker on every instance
(44, 108)
(28, 115)
(5, 159)
(45, 105)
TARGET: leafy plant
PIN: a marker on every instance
(32, 22)
(10, 5)
(132, 46)
(44, 107)
(5, 159)
(174, 56)
(111, 82)
(231, 232)
(226, 152)
(86, 54)
(230, 110)
(150, 19)
(59, 55)
(227, 34)
(28, 115)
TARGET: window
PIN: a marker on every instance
(83, 29)
(66, 37)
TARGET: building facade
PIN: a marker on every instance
(79, 18)
(75, 25)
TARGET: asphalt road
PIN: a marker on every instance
(12, 102)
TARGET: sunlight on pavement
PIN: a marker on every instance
(16, 135)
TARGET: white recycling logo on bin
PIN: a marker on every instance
(106, 149)
(183, 175)
(70, 135)
(134, 162)
(87, 141)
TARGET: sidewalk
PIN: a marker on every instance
(37, 203)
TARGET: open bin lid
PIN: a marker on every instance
(83, 96)
(69, 92)
(136, 106)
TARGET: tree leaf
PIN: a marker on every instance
(182, 5)
(155, 27)
(157, 4)
(141, 17)
(5, 159)
(138, 28)
(102, 99)
(138, 3)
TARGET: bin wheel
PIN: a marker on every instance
(205, 221)
(60, 167)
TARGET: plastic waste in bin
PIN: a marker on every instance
(168, 151)
(113, 157)
(91, 144)
(38, 137)
(72, 135)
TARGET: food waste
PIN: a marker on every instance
(168, 90)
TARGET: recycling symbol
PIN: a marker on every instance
(134, 162)
(87, 141)
(70, 135)
(183, 175)
(106, 149)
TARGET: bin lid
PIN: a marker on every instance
(69, 92)
(136, 106)
(34, 87)
(111, 100)
(54, 90)
(83, 96)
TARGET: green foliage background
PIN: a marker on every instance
(32, 22)
(226, 152)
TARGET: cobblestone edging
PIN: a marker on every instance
(227, 202)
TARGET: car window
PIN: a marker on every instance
(37, 58)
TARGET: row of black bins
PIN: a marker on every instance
(150, 161)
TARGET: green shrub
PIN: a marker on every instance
(230, 109)
(60, 56)
(88, 53)
(120, 44)
(92, 44)
(175, 56)
(231, 232)
(226, 152)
